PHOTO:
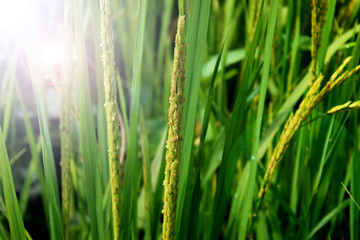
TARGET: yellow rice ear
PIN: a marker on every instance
(313, 97)
(348, 106)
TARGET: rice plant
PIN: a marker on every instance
(164, 119)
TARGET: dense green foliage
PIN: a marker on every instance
(249, 65)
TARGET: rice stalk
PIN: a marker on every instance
(65, 119)
(318, 15)
(295, 120)
(111, 106)
(352, 198)
(173, 144)
(254, 13)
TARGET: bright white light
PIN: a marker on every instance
(34, 26)
(15, 17)
(49, 60)
(51, 55)
(46, 51)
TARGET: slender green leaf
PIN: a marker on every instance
(328, 217)
(52, 191)
(259, 116)
(16, 223)
(197, 30)
(129, 194)
(88, 134)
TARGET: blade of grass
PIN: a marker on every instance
(9, 100)
(262, 229)
(326, 35)
(3, 233)
(264, 83)
(295, 49)
(352, 198)
(294, 199)
(350, 86)
(147, 177)
(328, 217)
(197, 32)
(162, 53)
(195, 206)
(52, 191)
(129, 194)
(239, 196)
(355, 180)
(229, 12)
(101, 115)
(25, 190)
(35, 154)
(233, 131)
(88, 133)
(158, 170)
(122, 103)
(323, 156)
(233, 56)
(17, 229)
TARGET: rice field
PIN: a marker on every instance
(188, 119)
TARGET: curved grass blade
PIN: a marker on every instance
(259, 116)
(52, 191)
(197, 32)
(101, 116)
(232, 57)
(149, 203)
(17, 229)
(35, 154)
(194, 205)
(326, 35)
(3, 233)
(323, 156)
(130, 186)
(328, 217)
(9, 103)
(233, 131)
(158, 170)
(88, 134)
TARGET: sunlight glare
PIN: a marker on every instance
(51, 55)
(15, 17)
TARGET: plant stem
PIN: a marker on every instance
(181, 7)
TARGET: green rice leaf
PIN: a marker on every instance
(88, 135)
(264, 83)
(130, 187)
(233, 131)
(197, 30)
(17, 229)
(328, 217)
(51, 182)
